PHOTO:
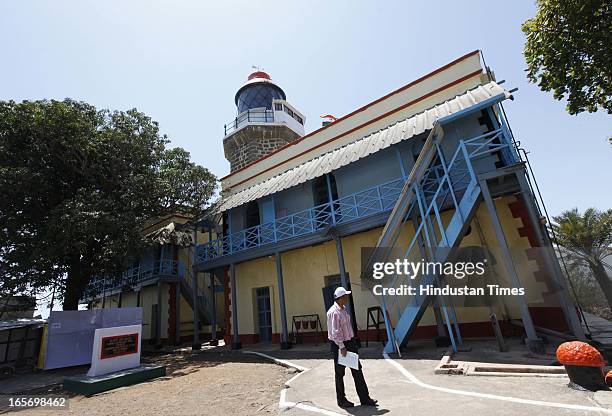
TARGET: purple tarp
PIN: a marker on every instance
(71, 333)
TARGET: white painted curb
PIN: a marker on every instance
(418, 382)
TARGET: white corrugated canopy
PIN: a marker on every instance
(374, 142)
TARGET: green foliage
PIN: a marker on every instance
(568, 52)
(587, 240)
(587, 235)
(587, 290)
(77, 185)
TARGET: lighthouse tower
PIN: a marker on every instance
(264, 122)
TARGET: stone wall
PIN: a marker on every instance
(252, 142)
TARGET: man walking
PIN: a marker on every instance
(341, 337)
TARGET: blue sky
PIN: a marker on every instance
(182, 61)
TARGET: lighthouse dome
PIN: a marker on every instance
(257, 92)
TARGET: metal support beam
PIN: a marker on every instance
(552, 263)
(213, 300)
(158, 316)
(400, 160)
(196, 345)
(533, 342)
(236, 344)
(439, 321)
(330, 198)
(285, 344)
(435, 304)
(213, 311)
(344, 278)
(177, 309)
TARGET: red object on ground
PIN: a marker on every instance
(609, 378)
(579, 353)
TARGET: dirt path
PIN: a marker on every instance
(215, 383)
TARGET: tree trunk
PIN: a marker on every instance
(603, 279)
(72, 294)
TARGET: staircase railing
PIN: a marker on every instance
(435, 186)
(135, 276)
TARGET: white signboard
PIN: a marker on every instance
(114, 349)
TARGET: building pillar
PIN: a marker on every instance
(196, 345)
(344, 277)
(551, 259)
(158, 315)
(285, 344)
(400, 160)
(236, 344)
(177, 312)
(213, 311)
(534, 343)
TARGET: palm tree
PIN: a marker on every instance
(588, 239)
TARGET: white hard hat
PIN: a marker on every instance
(340, 291)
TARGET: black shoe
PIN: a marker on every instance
(370, 402)
(345, 403)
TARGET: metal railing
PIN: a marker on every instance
(254, 115)
(350, 208)
(134, 276)
(443, 185)
(375, 200)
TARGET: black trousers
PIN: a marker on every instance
(360, 384)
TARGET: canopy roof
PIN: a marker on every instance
(372, 143)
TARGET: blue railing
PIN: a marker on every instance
(375, 200)
(354, 207)
(254, 115)
(454, 185)
(134, 276)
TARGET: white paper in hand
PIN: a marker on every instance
(350, 360)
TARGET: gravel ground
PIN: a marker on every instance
(217, 382)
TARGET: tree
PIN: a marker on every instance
(568, 52)
(588, 239)
(185, 186)
(77, 186)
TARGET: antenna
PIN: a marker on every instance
(257, 68)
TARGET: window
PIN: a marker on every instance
(278, 107)
(252, 214)
(320, 190)
(258, 96)
(299, 119)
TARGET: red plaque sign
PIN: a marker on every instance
(119, 345)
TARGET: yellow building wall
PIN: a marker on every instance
(304, 272)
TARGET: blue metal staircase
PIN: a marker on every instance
(435, 186)
(201, 302)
